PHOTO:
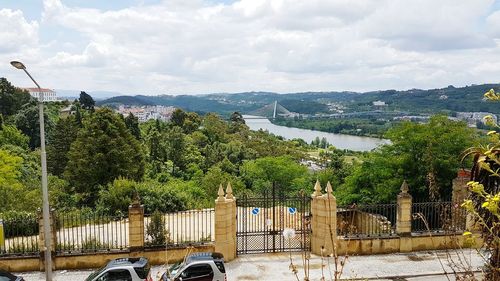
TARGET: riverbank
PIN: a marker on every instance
(353, 127)
(340, 141)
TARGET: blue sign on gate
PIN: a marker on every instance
(292, 210)
(255, 211)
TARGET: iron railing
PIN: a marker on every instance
(82, 231)
(180, 228)
(366, 220)
(19, 235)
(437, 217)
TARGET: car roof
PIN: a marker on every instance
(204, 256)
(134, 262)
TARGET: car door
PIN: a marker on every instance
(197, 272)
(116, 275)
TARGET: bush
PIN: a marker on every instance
(161, 197)
(17, 223)
(157, 231)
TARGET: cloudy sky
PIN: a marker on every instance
(203, 46)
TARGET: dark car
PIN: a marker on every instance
(204, 266)
(7, 276)
(123, 269)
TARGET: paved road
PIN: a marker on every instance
(417, 266)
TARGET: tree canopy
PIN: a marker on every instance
(103, 151)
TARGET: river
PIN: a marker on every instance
(340, 141)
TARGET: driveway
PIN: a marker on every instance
(397, 267)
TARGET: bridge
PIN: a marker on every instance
(270, 111)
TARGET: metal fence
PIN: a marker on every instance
(366, 220)
(81, 231)
(179, 228)
(436, 217)
(19, 235)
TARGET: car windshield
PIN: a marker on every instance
(175, 268)
(95, 274)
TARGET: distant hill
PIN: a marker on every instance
(445, 100)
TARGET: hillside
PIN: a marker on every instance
(445, 100)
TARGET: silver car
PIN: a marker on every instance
(123, 269)
(198, 267)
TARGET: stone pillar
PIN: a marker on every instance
(403, 223)
(136, 226)
(41, 239)
(323, 221)
(225, 223)
(460, 192)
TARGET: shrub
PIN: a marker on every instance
(156, 230)
(18, 223)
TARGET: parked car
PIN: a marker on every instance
(198, 267)
(7, 276)
(123, 269)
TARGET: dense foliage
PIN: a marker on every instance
(100, 159)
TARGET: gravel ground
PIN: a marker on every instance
(416, 266)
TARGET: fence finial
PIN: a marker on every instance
(221, 194)
(317, 189)
(329, 189)
(229, 192)
(404, 187)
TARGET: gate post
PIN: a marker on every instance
(323, 221)
(225, 223)
(136, 226)
(404, 217)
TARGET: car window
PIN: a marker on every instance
(3, 278)
(220, 266)
(197, 270)
(116, 275)
(143, 272)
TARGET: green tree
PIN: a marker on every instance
(27, 120)
(236, 117)
(175, 141)
(86, 101)
(427, 156)
(63, 135)
(103, 151)
(214, 128)
(12, 98)
(10, 184)
(289, 175)
(11, 135)
(178, 117)
(132, 124)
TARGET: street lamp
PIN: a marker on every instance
(45, 192)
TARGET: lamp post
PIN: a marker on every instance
(45, 192)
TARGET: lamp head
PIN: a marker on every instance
(18, 64)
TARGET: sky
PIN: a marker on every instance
(211, 46)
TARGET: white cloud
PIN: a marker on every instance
(195, 46)
(16, 32)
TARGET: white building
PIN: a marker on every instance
(48, 94)
(379, 103)
(473, 117)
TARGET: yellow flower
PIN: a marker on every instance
(468, 205)
(476, 187)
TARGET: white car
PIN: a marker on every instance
(198, 267)
(123, 269)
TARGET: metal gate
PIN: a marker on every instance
(273, 223)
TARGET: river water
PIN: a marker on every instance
(340, 141)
